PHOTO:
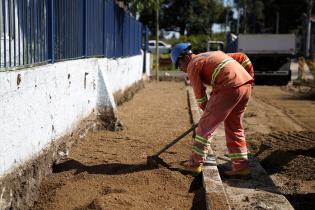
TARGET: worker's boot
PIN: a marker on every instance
(244, 172)
(194, 170)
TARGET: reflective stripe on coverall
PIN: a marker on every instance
(229, 98)
(244, 61)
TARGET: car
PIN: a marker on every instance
(163, 47)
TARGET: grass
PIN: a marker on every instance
(165, 63)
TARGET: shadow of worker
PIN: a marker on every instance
(109, 169)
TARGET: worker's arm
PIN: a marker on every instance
(196, 83)
(244, 61)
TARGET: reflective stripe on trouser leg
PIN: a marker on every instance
(234, 131)
(238, 157)
(199, 150)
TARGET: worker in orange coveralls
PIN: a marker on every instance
(231, 77)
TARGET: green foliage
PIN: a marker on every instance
(193, 16)
(292, 14)
(198, 41)
(260, 16)
(252, 16)
(140, 5)
(205, 12)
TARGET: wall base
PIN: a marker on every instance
(19, 188)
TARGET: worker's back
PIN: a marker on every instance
(217, 69)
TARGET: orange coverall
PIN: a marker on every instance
(231, 91)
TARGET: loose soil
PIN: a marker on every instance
(280, 125)
(108, 170)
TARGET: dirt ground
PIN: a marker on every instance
(107, 170)
(280, 125)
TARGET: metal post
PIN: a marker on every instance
(14, 34)
(238, 19)
(23, 34)
(38, 30)
(46, 28)
(1, 22)
(26, 32)
(157, 40)
(10, 32)
(84, 27)
(18, 28)
(4, 32)
(31, 29)
(51, 32)
(35, 29)
(104, 25)
(254, 16)
(277, 22)
(308, 35)
(245, 17)
(41, 34)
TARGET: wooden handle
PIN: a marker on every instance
(176, 140)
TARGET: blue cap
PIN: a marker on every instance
(178, 50)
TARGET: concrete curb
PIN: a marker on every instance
(216, 197)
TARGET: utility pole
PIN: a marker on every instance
(227, 20)
(238, 19)
(157, 40)
(277, 22)
(309, 24)
(245, 17)
(254, 17)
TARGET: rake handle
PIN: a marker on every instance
(176, 140)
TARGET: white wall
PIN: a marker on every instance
(50, 100)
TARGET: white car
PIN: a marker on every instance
(163, 47)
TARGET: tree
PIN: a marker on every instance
(251, 15)
(136, 6)
(291, 14)
(175, 15)
(261, 16)
(193, 17)
(205, 13)
(146, 10)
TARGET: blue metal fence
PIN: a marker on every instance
(37, 31)
(23, 35)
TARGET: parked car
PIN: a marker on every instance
(163, 47)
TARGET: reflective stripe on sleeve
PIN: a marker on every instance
(246, 63)
(201, 100)
(219, 68)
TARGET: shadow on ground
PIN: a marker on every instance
(196, 187)
(113, 168)
(302, 201)
(110, 169)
